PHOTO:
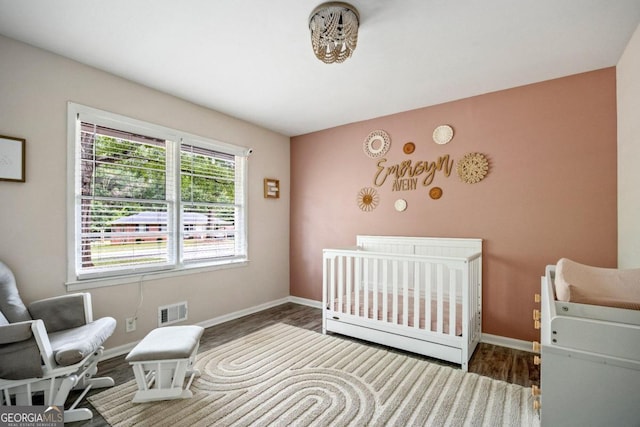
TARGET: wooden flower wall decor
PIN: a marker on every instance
(472, 168)
(368, 199)
(377, 144)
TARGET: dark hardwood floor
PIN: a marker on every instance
(493, 361)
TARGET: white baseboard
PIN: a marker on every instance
(506, 342)
(242, 313)
(126, 348)
(305, 301)
(118, 351)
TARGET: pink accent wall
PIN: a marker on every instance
(550, 191)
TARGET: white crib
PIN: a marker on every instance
(590, 370)
(419, 294)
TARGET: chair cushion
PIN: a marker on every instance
(20, 360)
(16, 332)
(72, 345)
(61, 312)
(11, 304)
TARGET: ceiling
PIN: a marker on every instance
(252, 59)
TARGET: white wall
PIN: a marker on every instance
(628, 94)
(35, 87)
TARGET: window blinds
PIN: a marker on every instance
(124, 200)
(208, 203)
(145, 203)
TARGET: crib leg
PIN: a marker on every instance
(465, 366)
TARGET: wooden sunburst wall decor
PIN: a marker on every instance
(368, 199)
(473, 167)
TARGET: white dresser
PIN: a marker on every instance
(590, 363)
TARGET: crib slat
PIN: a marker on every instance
(416, 295)
(365, 287)
(452, 302)
(428, 295)
(357, 284)
(394, 298)
(348, 283)
(340, 283)
(439, 307)
(332, 283)
(376, 290)
(405, 293)
(385, 280)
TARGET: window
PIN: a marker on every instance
(144, 198)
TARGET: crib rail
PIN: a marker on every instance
(429, 294)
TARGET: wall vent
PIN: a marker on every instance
(172, 313)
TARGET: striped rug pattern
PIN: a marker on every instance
(283, 375)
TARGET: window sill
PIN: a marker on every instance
(82, 285)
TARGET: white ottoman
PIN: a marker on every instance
(162, 360)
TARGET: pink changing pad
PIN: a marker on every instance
(585, 284)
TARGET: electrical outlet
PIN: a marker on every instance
(131, 324)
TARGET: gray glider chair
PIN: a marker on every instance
(51, 347)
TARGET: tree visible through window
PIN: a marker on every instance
(146, 203)
(208, 194)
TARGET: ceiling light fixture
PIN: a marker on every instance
(334, 31)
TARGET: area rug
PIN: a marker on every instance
(283, 375)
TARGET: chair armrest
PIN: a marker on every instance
(21, 349)
(63, 312)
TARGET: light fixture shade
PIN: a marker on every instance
(334, 31)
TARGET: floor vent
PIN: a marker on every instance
(172, 313)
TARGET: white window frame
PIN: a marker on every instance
(77, 113)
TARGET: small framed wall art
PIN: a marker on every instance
(12, 159)
(271, 188)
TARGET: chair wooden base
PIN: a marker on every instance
(56, 386)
